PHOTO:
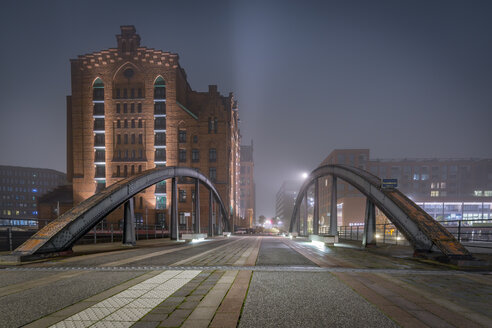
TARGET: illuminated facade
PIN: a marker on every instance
(131, 110)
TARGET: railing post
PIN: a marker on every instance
(459, 231)
(351, 230)
(396, 239)
(357, 238)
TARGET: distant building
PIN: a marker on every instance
(247, 189)
(285, 199)
(448, 189)
(55, 203)
(20, 189)
(132, 109)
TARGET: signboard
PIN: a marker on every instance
(187, 214)
(389, 183)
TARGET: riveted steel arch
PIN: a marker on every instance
(63, 232)
(419, 228)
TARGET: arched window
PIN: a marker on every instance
(159, 88)
(98, 90)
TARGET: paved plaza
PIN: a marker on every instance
(241, 281)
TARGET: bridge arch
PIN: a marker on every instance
(423, 232)
(60, 234)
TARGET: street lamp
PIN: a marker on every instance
(304, 175)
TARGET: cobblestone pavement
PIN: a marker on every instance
(241, 282)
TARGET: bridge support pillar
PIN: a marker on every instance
(333, 208)
(305, 218)
(197, 206)
(173, 227)
(219, 223)
(210, 213)
(129, 223)
(369, 238)
(316, 209)
(298, 221)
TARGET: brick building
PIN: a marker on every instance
(247, 189)
(132, 109)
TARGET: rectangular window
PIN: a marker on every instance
(140, 139)
(126, 139)
(182, 155)
(132, 107)
(125, 108)
(434, 193)
(139, 92)
(139, 107)
(182, 135)
(118, 94)
(212, 173)
(195, 155)
(133, 139)
(182, 195)
(182, 218)
(212, 155)
(118, 139)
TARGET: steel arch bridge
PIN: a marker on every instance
(423, 232)
(61, 234)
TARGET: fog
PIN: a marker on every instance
(404, 79)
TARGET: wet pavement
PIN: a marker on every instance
(243, 281)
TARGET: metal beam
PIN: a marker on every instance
(421, 230)
(129, 224)
(333, 208)
(210, 215)
(369, 238)
(316, 209)
(197, 206)
(305, 218)
(174, 228)
(60, 234)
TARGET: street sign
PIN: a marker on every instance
(389, 183)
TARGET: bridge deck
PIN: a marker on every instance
(247, 281)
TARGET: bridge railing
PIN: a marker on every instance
(467, 231)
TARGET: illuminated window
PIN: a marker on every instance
(434, 193)
(477, 193)
(182, 195)
(487, 193)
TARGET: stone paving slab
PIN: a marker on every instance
(318, 299)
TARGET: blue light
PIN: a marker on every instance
(34, 190)
(34, 212)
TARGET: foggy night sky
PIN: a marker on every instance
(402, 78)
